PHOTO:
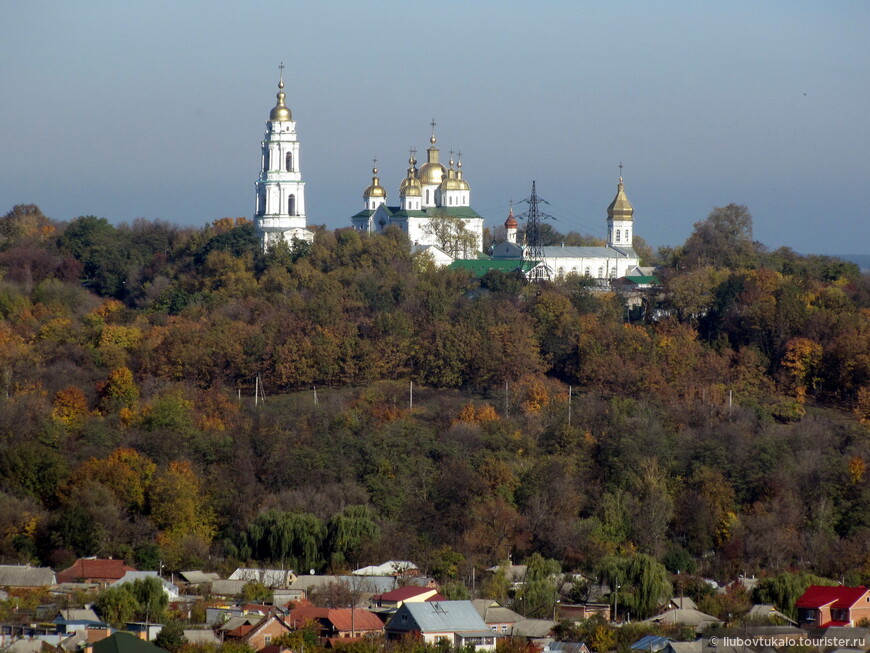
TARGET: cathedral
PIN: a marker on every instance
(434, 206)
(280, 208)
(434, 210)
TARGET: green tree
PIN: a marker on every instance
(348, 531)
(784, 590)
(723, 240)
(117, 605)
(171, 636)
(538, 594)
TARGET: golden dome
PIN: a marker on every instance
(280, 112)
(620, 208)
(451, 182)
(375, 190)
(432, 172)
(410, 188)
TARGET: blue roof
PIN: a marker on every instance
(651, 643)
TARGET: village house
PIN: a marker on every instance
(337, 623)
(455, 623)
(824, 607)
(102, 572)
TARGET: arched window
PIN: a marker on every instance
(617, 235)
(586, 272)
(627, 237)
(261, 202)
(291, 205)
(428, 197)
(600, 271)
(288, 162)
(266, 160)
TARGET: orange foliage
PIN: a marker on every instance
(70, 407)
(477, 414)
(126, 472)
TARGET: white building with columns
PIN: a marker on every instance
(434, 206)
(280, 210)
(616, 259)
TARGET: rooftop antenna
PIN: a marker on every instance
(534, 250)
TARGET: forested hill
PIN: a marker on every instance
(723, 431)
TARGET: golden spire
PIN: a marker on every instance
(375, 190)
(620, 208)
(280, 112)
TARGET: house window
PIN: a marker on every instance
(288, 162)
(600, 271)
(504, 628)
(291, 205)
(587, 272)
(267, 639)
(617, 235)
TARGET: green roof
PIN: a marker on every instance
(643, 279)
(479, 267)
(122, 642)
(449, 211)
(363, 214)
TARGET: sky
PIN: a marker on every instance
(156, 108)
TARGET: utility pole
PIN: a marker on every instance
(569, 404)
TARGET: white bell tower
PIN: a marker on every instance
(280, 210)
(620, 218)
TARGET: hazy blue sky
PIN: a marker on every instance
(156, 109)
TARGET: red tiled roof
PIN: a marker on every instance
(241, 631)
(402, 593)
(360, 620)
(94, 568)
(340, 618)
(436, 597)
(818, 596)
(832, 624)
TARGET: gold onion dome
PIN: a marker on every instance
(432, 172)
(450, 182)
(281, 113)
(411, 180)
(375, 190)
(411, 188)
(620, 208)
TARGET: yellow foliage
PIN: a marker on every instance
(802, 359)
(857, 467)
(57, 330)
(120, 336)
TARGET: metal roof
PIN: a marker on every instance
(438, 616)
